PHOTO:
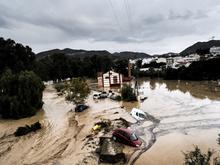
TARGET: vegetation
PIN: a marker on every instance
(196, 157)
(15, 56)
(21, 94)
(78, 90)
(128, 94)
(20, 88)
(199, 70)
(200, 47)
(118, 98)
(60, 66)
(27, 129)
(154, 64)
(60, 87)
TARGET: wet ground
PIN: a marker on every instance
(182, 113)
(65, 138)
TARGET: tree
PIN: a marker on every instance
(128, 93)
(20, 94)
(78, 90)
(139, 63)
(15, 56)
(121, 66)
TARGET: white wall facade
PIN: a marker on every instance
(215, 51)
(110, 79)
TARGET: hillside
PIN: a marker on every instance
(73, 52)
(133, 55)
(87, 53)
(200, 46)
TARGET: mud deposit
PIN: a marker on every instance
(65, 136)
(180, 114)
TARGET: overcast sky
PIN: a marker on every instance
(151, 26)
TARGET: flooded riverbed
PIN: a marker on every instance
(189, 114)
(183, 114)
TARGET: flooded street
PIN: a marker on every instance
(189, 114)
(62, 140)
(182, 114)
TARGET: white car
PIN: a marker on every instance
(96, 96)
(138, 114)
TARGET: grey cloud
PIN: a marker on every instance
(58, 21)
(154, 19)
(186, 15)
(3, 22)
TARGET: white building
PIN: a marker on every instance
(110, 79)
(215, 51)
(161, 60)
(147, 60)
(170, 62)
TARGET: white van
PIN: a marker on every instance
(138, 114)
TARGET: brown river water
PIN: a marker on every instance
(188, 114)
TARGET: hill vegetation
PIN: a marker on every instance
(79, 53)
(61, 66)
(200, 46)
(199, 70)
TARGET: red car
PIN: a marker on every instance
(127, 137)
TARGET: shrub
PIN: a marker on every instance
(60, 87)
(196, 157)
(118, 98)
(128, 93)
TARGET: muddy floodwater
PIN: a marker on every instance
(182, 114)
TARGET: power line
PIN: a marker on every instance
(115, 16)
(128, 13)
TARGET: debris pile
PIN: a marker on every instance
(110, 151)
(27, 129)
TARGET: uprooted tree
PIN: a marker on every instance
(77, 90)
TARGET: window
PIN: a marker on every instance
(141, 115)
(106, 77)
(134, 137)
(115, 79)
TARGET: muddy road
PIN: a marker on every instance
(62, 140)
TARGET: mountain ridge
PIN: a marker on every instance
(80, 53)
(200, 46)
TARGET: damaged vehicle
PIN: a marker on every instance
(81, 107)
(138, 114)
(126, 136)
